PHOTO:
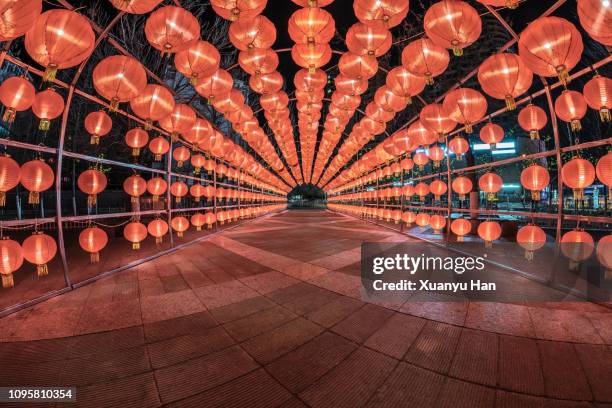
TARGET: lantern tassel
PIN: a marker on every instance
(461, 197)
(179, 164)
(50, 73)
(510, 102)
(2, 198)
(488, 244)
(573, 265)
(428, 79)
(136, 152)
(9, 115)
(179, 234)
(148, 124)
(174, 137)
(158, 240)
(94, 257)
(457, 51)
(42, 270)
(178, 200)
(91, 200)
(114, 104)
(578, 194)
(7, 280)
(529, 255)
(575, 125)
(460, 238)
(209, 226)
(535, 195)
(563, 75)
(199, 228)
(94, 140)
(490, 196)
(135, 245)
(134, 200)
(158, 157)
(604, 115)
(155, 198)
(512, 4)
(197, 170)
(469, 128)
(34, 197)
(44, 124)
(534, 134)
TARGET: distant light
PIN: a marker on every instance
(507, 151)
(511, 186)
(502, 145)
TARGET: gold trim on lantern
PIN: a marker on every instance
(7, 280)
(42, 270)
(94, 257)
(34, 197)
(44, 124)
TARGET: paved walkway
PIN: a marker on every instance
(270, 315)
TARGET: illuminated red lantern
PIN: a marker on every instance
(420, 134)
(420, 159)
(309, 82)
(198, 220)
(47, 106)
(17, 17)
(180, 225)
(578, 246)
(551, 46)
(36, 177)
(198, 132)
(424, 58)
(16, 94)
(505, 76)
(238, 9)
(390, 102)
(407, 164)
(466, 106)
(453, 24)
(604, 172)
(578, 174)
(461, 227)
(462, 186)
(98, 124)
(135, 6)
(422, 219)
(152, 104)
(311, 56)
(11, 259)
(159, 146)
(135, 232)
(363, 39)
(158, 228)
(182, 119)
(535, 178)
(59, 39)
(135, 186)
(312, 25)
(604, 253)
(156, 187)
(181, 155)
(437, 222)
(357, 66)
(596, 18)
(197, 161)
(39, 249)
(92, 182)
(570, 107)
(385, 13)
(436, 154)
(408, 191)
(435, 118)
(217, 85)
(201, 59)
(490, 183)
(598, 95)
(119, 78)
(491, 134)
(489, 231)
(437, 188)
(532, 119)
(10, 172)
(408, 217)
(197, 191)
(93, 240)
(179, 190)
(170, 29)
(459, 146)
(401, 82)
(136, 138)
(210, 219)
(256, 33)
(421, 189)
(531, 238)
(258, 61)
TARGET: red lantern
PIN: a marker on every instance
(505, 76)
(59, 39)
(421, 189)
(36, 177)
(531, 238)
(238, 9)
(357, 66)
(453, 24)
(171, 29)
(390, 102)
(198, 220)
(596, 18)
(179, 190)
(461, 227)
(437, 222)
(256, 33)
(201, 59)
(313, 3)
(309, 82)
(10, 172)
(258, 61)
(198, 132)
(197, 191)
(93, 240)
(135, 232)
(535, 178)
(462, 186)
(401, 82)
(408, 217)
(435, 118)
(312, 25)
(570, 107)
(551, 46)
(47, 106)
(422, 219)
(119, 78)
(197, 161)
(604, 253)
(385, 13)
(426, 59)
(578, 246)
(98, 124)
(604, 172)
(532, 119)
(578, 174)
(39, 249)
(16, 94)
(210, 219)
(11, 259)
(158, 228)
(363, 39)
(407, 164)
(598, 95)
(92, 182)
(459, 146)
(489, 231)
(491, 134)
(466, 106)
(17, 17)
(216, 85)
(436, 154)
(152, 104)
(420, 159)
(490, 183)
(421, 135)
(180, 225)
(437, 188)
(136, 138)
(181, 155)
(135, 186)
(159, 146)
(311, 56)
(135, 6)
(156, 187)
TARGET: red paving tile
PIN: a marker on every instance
(253, 319)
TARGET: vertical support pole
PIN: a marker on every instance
(449, 194)
(215, 196)
(168, 195)
(401, 197)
